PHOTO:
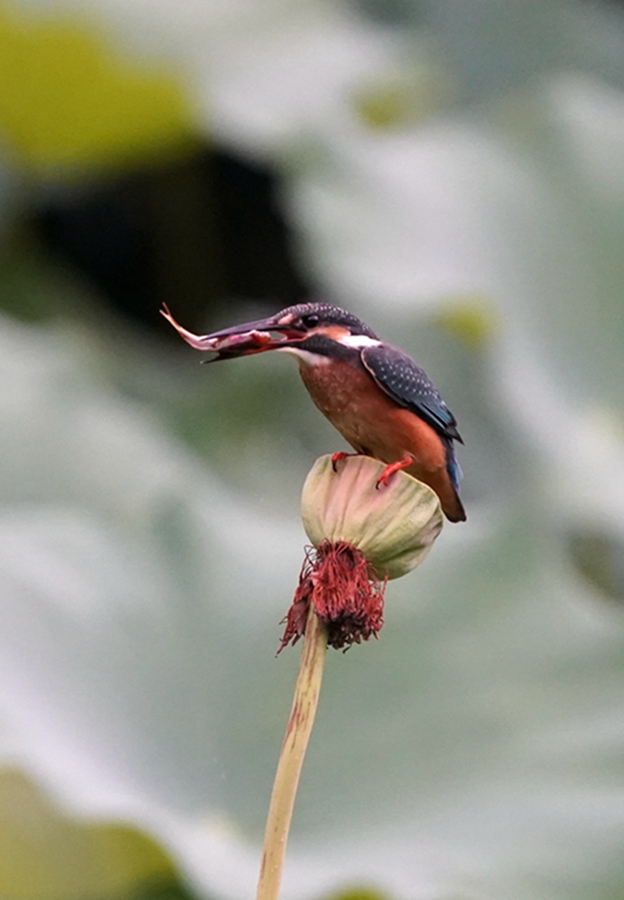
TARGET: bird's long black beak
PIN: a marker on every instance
(239, 340)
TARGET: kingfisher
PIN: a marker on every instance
(373, 393)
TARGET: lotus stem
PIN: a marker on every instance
(302, 715)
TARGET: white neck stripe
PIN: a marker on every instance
(304, 356)
(359, 340)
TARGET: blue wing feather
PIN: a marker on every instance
(407, 384)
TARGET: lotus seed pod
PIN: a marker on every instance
(393, 525)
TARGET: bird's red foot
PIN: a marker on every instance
(336, 457)
(389, 471)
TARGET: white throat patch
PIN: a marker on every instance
(358, 341)
(304, 357)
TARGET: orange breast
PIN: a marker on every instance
(373, 424)
(369, 420)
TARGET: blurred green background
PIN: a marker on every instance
(451, 171)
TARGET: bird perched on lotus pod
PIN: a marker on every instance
(376, 396)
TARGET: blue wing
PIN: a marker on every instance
(407, 384)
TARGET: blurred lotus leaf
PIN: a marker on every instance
(70, 102)
(357, 894)
(46, 854)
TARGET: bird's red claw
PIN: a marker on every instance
(336, 457)
(389, 471)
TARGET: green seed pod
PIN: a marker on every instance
(393, 525)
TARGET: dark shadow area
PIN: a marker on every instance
(194, 234)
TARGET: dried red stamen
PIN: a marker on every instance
(346, 592)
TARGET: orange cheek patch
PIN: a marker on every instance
(335, 332)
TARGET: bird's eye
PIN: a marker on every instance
(310, 321)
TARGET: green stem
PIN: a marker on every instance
(290, 762)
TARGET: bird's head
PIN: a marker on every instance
(311, 331)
